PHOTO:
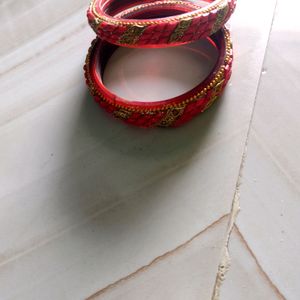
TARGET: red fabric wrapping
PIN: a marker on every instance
(191, 25)
(168, 113)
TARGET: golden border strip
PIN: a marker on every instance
(129, 11)
(197, 13)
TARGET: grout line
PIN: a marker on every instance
(263, 272)
(224, 264)
(154, 261)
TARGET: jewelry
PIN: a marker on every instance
(124, 25)
(167, 113)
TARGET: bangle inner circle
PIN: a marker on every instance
(159, 74)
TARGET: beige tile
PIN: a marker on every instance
(24, 20)
(86, 200)
(270, 194)
(245, 279)
(185, 273)
(269, 218)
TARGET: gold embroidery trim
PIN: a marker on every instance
(191, 15)
(171, 116)
(221, 15)
(179, 31)
(215, 94)
(122, 114)
(132, 34)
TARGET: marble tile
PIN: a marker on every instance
(269, 217)
(185, 273)
(22, 21)
(245, 279)
(270, 195)
(86, 200)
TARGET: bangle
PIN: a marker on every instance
(162, 8)
(162, 30)
(167, 113)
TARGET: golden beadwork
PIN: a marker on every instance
(149, 5)
(171, 116)
(215, 94)
(122, 114)
(201, 11)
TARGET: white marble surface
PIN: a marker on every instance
(90, 208)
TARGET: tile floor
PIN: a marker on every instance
(93, 209)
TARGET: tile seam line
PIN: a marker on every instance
(264, 273)
(80, 27)
(224, 264)
(156, 260)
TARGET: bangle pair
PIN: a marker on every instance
(167, 113)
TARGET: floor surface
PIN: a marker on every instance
(93, 209)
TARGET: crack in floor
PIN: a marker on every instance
(224, 264)
(262, 271)
(154, 261)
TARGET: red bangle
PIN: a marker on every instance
(172, 112)
(162, 31)
(160, 6)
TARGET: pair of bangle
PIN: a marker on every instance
(163, 23)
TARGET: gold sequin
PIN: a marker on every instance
(179, 31)
(132, 34)
(171, 116)
(122, 114)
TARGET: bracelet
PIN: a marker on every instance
(162, 8)
(167, 113)
(157, 30)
